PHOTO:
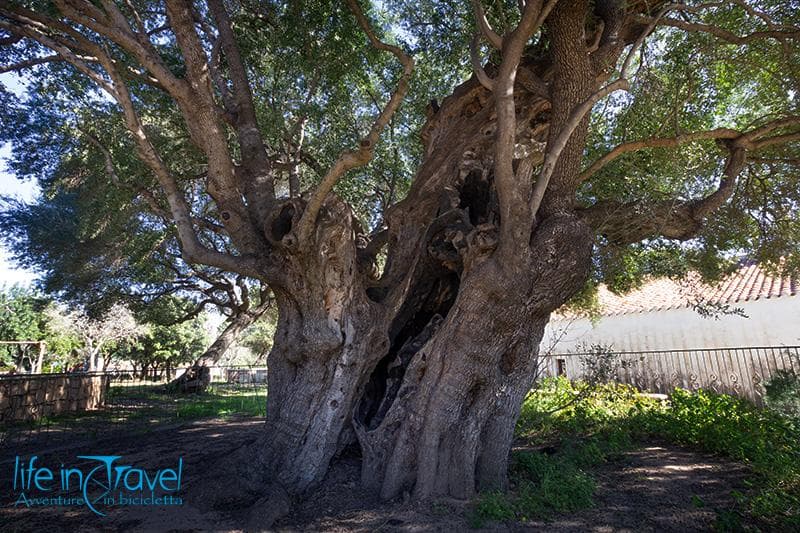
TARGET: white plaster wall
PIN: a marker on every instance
(770, 322)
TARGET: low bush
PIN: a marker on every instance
(783, 393)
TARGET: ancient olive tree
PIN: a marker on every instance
(592, 136)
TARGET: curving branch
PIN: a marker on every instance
(624, 223)
(147, 195)
(477, 63)
(754, 139)
(557, 145)
(778, 139)
(598, 35)
(512, 187)
(352, 159)
(661, 142)
(774, 31)
(485, 28)
(28, 63)
(120, 32)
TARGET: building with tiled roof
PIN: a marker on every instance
(751, 307)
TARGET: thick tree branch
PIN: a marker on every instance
(771, 126)
(28, 28)
(353, 159)
(485, 28)
(477, 63)
(512, 188)
(208, 133)
(194, 99)
(663, 142)
(777, 139)
(557, 144)
(259, 186)
(779, 33)
(632, 222)
(30, 63)
(736, 161)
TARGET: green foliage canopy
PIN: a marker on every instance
(317, 87)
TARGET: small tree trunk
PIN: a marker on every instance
(107, 360)
(234, 327)
(37, 368)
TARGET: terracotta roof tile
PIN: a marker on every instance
(749, 283)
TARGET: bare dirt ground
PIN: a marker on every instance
(655, 488)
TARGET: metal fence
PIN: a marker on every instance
(738, 371)
(135, 405)
(132, 404)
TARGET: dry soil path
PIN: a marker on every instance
(655, 488)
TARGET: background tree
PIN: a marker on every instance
(259, 337)
(99, 334)
(414, 330)
(165, 347)
(21, 319)
(63, 345)
(28, 316)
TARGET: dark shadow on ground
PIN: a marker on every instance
(655, 488)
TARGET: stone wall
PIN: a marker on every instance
(30, 397)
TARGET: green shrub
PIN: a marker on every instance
(783, 393)
(548, 484)
(491, 506)
(588, 427)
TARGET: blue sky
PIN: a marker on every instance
(11, 186)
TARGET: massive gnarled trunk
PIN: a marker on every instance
(424, 365)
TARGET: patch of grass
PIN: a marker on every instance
(762, 438)
(783, 392)
(596, 427)
(543, 485)
(141, 407)
(222, 402)
(550, 484)
(491, 506)
(216, 401)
